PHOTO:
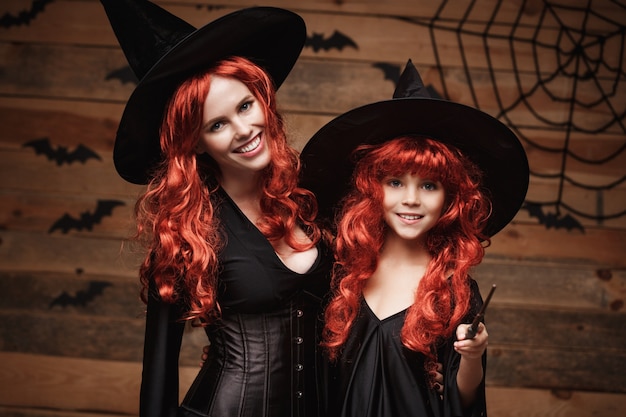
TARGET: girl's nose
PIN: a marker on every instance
(411, 197)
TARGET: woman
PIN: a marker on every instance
(432, 180)
(232, 243)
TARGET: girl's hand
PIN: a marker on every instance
(438, 377)
(471, 348)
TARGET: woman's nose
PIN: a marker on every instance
(242, 129)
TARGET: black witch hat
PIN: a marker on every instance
(164, 50)
(327, 166)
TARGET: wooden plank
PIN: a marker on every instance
(71, 295)
(41, 71)
(521, 286)
(79, 315)
(23, 170)
(67, 331)
(67, 214)
(557, 369)
(606, 205)
(52, 125)
(551, 328)
(92, 110)
(601, 247)
(24, 251)
(112, 387)
(78, 72)
(16, 111)
(40, 381)
(501, 402)
(36, 252)
(378, 28)
(73, 335)
(21, 210)
(32, 181)
(37, 412)
(550, 163)
(106, 329)
(321, 86)
(514, 402)
(525, 284)
(480, 11)
(66, 127)
(70, 130)
(565, 338)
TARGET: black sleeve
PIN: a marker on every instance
(163, 338)
(451, 360)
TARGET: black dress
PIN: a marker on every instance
(263, 351)
(376, 376)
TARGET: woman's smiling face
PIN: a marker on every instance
(233, 128)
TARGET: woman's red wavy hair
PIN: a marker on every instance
(454, 243)
(175, 216)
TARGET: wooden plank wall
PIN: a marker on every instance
(71, 323)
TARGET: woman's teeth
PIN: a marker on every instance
(250, 146)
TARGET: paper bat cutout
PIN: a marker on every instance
(124, 74)
(337, 40)
(82, 297)
(61, 155)
(391, 71)
(86, 220)
(25, 16)
(552, 220)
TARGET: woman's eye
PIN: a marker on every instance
(394, 183)
(216, 126)
(246, 106)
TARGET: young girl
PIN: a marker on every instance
(432, 180)
(231, 241)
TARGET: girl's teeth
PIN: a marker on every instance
(407, 217)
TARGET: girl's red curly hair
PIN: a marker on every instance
(441, 299)
(175, 216)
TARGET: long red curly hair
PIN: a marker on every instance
(454, 242)
(175, 216)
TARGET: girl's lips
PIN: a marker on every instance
(250, 146)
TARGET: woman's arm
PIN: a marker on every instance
(163, 337)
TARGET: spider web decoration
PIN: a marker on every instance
(562, 73)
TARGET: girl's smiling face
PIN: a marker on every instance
(412, 205)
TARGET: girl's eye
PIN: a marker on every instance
(216, 126)
(430, 186)
(394, 183)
